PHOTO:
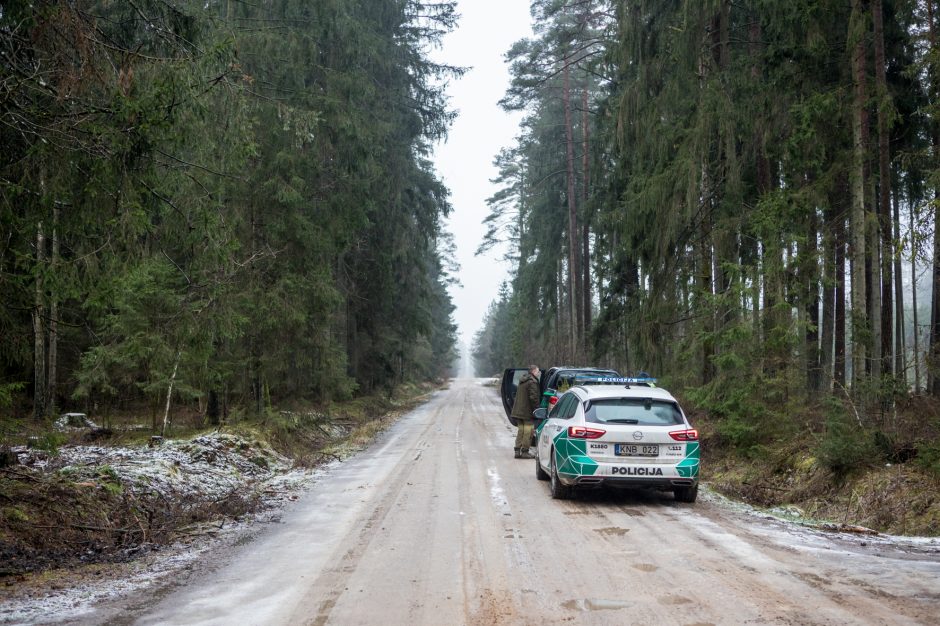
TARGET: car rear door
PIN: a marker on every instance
(553, 425)
(507, 389)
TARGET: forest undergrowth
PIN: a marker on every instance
(823, 465)
(98, 496)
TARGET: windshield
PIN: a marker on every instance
(641, 411)
(566, 379)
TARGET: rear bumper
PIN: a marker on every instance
(630, 482)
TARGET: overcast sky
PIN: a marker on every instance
(465, 162)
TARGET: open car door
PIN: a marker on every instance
(507, 389)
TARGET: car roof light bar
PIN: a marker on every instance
(614, 380)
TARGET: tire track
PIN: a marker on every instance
(334, 579)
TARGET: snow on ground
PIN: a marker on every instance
(205, 468)
(793, 521)
(210, 465)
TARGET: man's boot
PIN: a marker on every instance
(518, 453)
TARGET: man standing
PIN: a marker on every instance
(527, 400)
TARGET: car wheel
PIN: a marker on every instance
(686, 494)
(539, 472)
(559, 491)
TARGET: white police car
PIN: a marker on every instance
(624, 432)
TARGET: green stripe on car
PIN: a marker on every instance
(571, 456)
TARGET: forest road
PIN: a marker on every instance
(437, 523)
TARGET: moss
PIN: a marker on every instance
(806, 464)
(14, 514)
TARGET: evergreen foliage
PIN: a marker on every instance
(743, 172)
(230, 199)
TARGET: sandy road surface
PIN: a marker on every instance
(437, 524)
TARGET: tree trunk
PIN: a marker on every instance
(763, 178)
(933, 345)
(53, 321)
(811, 308)
(839, 337)
(704, 297)
(585, 227)
(834, 347)
(873, 290)
(827, 326)
(561, 331)
(884, 190)
(574, 275)
(860, 327)
(900, 346)
(873, 262)
(169, 394)
(39, 330)
(213, 411)
(916, 355)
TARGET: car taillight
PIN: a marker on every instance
(552, 400)
(583, 432)
(685, 435)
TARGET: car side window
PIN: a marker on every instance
(566, 407)
(571, 408)
(558, 410)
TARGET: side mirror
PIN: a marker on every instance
(540, 414)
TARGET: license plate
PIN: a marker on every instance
(635, 449)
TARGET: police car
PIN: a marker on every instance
(621, 432)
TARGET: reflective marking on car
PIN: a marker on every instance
(688, 467)
(572, 459)
(571, 456)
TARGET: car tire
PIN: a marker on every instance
(539, 472)
(559, 491)
(686, 494)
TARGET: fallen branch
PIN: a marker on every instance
(84, 527)
(847, 528)
(10, 470)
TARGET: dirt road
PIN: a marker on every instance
(437, 524)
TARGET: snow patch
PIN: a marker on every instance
(209, 467)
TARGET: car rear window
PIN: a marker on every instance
(641, 411)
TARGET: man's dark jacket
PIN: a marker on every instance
(527, 397)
